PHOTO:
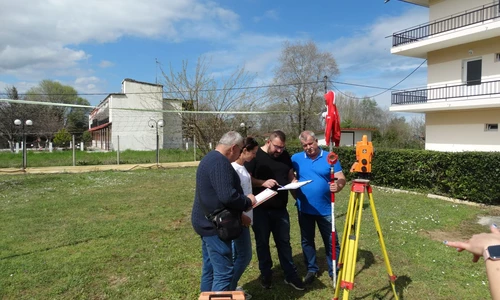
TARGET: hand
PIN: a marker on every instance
(334, 187)
(254, 201)
(246, 221)
(269, 183)
(477, 243)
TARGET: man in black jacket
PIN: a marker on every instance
(218, 186)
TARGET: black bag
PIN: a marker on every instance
(228, 223)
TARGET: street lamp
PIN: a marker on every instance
(245, 128)
(156, 124)
(18, 122)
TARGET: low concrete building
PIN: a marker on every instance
(131, 119)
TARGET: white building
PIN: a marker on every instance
(129, 120)
(461, 102)
(348, 136)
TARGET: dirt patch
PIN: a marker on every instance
(115, 281)
(466, 229)
(439, 235)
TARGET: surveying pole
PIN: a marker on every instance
(352, 226)
(332, 136)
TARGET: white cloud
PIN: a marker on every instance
(269, 14)
(45, 35)
(106, 64)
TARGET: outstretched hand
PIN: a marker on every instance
(478, 243)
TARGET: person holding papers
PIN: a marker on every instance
(272, 166)
(218, 186)
(242, 246)
(314, 201)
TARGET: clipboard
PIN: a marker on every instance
(294, 185)
(264, 196)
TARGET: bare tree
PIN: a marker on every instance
(298, 82)
(8, 113)
(203, 91)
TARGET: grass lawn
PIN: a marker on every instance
(128, 235)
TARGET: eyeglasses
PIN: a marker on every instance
(278, 147)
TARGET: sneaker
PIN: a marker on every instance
(296, 283)
(310, 277)
(266, 281)
(247, 296)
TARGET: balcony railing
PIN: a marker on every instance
(478, 15)
(449, 92)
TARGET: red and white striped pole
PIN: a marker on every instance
(332, 159)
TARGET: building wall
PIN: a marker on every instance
(446, 66)
(131, 124)
(462, 130)
(443, 8)
(172, 132)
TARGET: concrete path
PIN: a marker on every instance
(96, 168)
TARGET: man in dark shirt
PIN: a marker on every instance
(272, 166)
(218, 186)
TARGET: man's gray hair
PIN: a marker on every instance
(305, 134)
(231, 138)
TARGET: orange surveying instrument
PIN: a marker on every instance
(352, 226)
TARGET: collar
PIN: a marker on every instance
(319, 155)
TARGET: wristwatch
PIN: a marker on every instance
(492, 252)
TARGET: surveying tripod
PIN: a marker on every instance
(350, 239)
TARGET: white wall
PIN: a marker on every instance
(443, 8)
(131, 121)
(462, 130)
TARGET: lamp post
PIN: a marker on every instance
(152, 123)
(245, 128)
(18, 122)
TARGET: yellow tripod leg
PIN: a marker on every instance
(392, 277)
(348, 227)
(348, 283)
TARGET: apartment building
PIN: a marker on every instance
(461, 102)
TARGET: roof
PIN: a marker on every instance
(142, 82)
(100, 127)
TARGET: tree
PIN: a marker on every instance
(202, 91)
(298, 82)
(50, 119)
(8, 113)
(62, 138)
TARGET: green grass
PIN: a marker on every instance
(65, 158)
(128, 235)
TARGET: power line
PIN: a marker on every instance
(222, 89)
(386, 90)
(145, 109)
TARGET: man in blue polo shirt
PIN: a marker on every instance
(314, 201)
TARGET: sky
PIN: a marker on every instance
(93, 45)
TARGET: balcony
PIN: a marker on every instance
(449, 97)
(407, 40)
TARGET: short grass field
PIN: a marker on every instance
(37, 158)
(128, 235)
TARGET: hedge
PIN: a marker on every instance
(471, 176)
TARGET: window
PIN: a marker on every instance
(497, 57)
(491, 127)
(473, 69)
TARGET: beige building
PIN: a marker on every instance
(461, 102)
(348, 136)
(131, 119)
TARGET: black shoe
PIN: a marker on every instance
(296, 283)
(266, 281)
(310, 277)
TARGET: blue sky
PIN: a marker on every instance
(93, 45)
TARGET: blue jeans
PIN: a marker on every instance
(307, 224)
(277, 222)
(217, 270)
(242, 255)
